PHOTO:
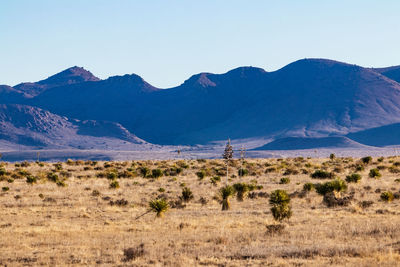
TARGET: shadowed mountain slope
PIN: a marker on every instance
(33, 127)
(380, 136)
(390, 72)
(307, 98)
(311, 97)
(293, 143)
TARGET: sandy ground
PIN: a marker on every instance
(78, 224)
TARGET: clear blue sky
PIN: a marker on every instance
(166, 41)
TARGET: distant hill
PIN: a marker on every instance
(67, 77)
(307, 98)
(33, 127)
(293, 143)
(387, 135)
(311, 97)
(390, 72)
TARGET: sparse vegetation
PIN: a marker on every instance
(195, 226)
(353, 178)
(321, 174)
(159, 206)
(387, 196)
(284, 180)
(374, 173)
(225, 193)
(280, 205)
(337, 185)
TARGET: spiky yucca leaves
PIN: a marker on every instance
(279, 197)
(281, 212)
(241, 190)
(187, 194)
(225, 193)
(159, 206)
(280, 202)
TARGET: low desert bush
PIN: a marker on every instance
(187, 194)
(133, 253)
(366, 160)
(374, 173)
(114, 184)
(321, 174)
(30, 179)
(387, 196)
(215, 180)
(308, 187)
(156, 173)
(284, 180)
(243, 172)
(337, 185)
(353, 178)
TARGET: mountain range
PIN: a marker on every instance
(309, 103)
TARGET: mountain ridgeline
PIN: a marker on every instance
(307, 100)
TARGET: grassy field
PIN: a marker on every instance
(89, 213)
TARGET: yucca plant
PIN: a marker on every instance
(387, 196)
(280, 202)
(241, 190)
(225, 193)
(187, 194)
(159, 206)
(281, 212)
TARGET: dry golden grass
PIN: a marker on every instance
(46, 224)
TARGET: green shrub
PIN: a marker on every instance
(279, 197)
(374, 173)
(281, 212)
(3, 172)
(5, 188)
(308, 186)
(337, 185)
(58, 166)
(159, 206)
(366, 160)
(114, 184)
(161, 189)
(112, 175)
(280, 202)
(51, 176)
(156, 173)
(387, 196)
(321, 174)
(332, 156)
(201, 174)
(215, 180)
(353, 178)
(241, 190)
(187, 194)
(61, 183)
(31, 179)
(243, 172)
(284, 180)
(144, 171)
(225, 193)
(359, 167)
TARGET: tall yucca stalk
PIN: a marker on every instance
(227, 156)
